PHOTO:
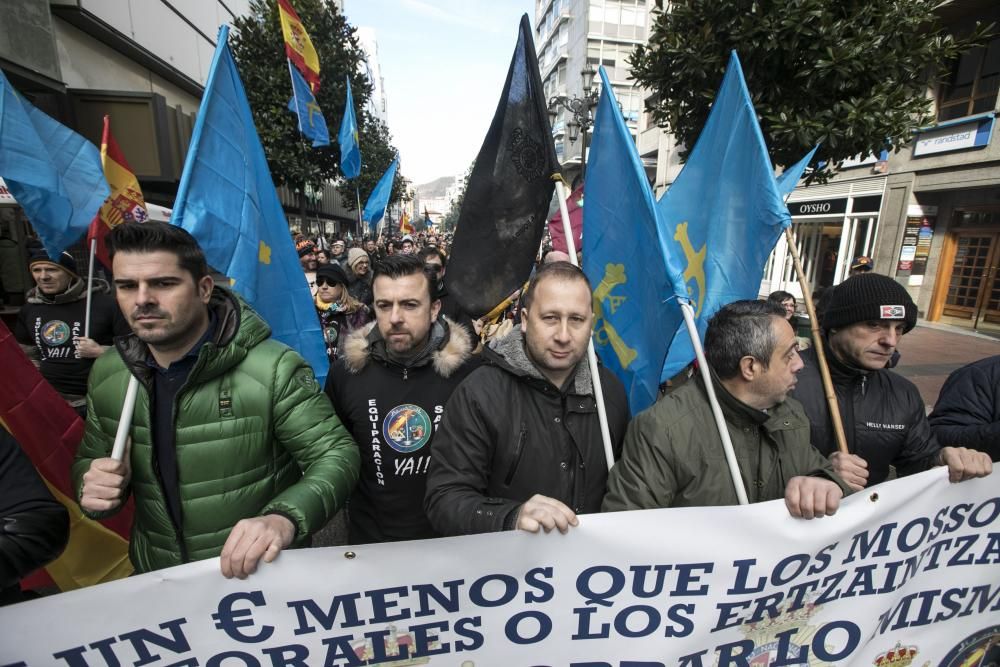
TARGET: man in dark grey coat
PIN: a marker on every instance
(520, 444)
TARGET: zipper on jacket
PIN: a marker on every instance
(518, 452)
(406, 373)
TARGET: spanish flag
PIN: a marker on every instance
(49, 432)
(298, 46)
(124, 204)
(404, 224)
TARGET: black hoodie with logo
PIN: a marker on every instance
(51, 323)
(393, 410)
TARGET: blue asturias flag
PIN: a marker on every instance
(379, 198)
(621, 256)
(303, 103)
(227, 201)
(53, 172)
(790, 177)
(723, 214)
(350, 152)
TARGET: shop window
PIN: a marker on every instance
(972, 86)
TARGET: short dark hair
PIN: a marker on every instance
(425, 253)
(741, 329)
(555, 270)
(780, 296)
(400, 266)
(156, 236)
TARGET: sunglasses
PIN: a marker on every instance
(323, 280)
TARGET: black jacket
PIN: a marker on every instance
(393, 412)
(968, 408)
(34, 526)
(508, 434)
(884, 417)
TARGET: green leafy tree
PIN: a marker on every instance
(849, 74)
(259, 51)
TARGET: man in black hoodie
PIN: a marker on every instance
(50, 326)
(389, 386)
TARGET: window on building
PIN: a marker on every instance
(972, 86)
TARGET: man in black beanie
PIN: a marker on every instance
(885, 420)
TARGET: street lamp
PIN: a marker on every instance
(581, 109)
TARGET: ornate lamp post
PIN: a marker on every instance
(581, 110)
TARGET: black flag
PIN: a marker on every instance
(507, 197)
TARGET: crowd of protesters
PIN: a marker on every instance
(437, 422)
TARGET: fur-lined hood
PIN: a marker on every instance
(454, 350)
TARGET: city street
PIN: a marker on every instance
(932, 351)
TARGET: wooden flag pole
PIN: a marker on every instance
(602, 412)
(824, 369)
(713, 400)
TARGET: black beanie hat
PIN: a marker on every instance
(333, 272)
(66, 261)
(866, 297)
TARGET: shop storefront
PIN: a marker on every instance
(832, 224)
(968, 284)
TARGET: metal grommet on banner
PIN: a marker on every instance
(350, 555)
(873, 497)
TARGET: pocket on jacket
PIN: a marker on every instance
(518, 453)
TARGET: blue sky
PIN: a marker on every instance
(444, 63)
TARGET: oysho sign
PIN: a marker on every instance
(818, 207)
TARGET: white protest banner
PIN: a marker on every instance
(906, 573)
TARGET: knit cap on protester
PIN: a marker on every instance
(305, 247)
(355, 255)
(867, 297)
(65, 262)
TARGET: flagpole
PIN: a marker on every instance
(90, 288)
(602, 412)
(824, 369)
(357, 193)
(720, 420)
(295, 94)
(125, 422)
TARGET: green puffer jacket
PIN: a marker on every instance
(255, 434)
(673, 455)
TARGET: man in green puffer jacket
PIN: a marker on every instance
(235, 450)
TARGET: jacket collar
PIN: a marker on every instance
(366, 343)
(733, 408)
(509, 354)
(838, 369)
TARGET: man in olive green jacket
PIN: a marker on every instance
(673, 455)
(235, 450)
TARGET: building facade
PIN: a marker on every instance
(929, 215)
(574, 35)
(142, 62)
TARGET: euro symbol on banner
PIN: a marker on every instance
(695, 269)
(604, 332)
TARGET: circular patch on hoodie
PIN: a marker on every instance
(55, 332)
(407, 428)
